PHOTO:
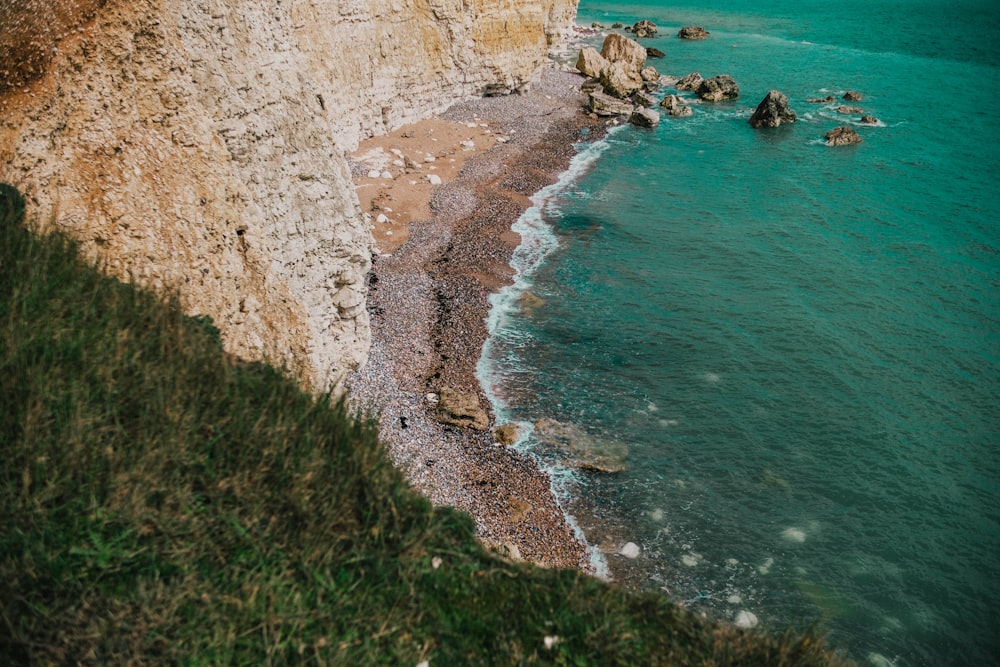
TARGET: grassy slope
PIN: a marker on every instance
(163, 503)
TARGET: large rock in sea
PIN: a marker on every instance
(603, 104)
(644, 28)
(644, 117)
(675, 106)
(852, 96)
(653, 52)
(620, 49)
(842, 136)
(718, 88)
(869, 120)
(461, 409)
(620, 80)
(772, 111)
(847, 111)
(689, 82)
(590, 62)
(693, 32)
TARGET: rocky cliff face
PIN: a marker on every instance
(198, 145)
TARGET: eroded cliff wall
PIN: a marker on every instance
(198, 145)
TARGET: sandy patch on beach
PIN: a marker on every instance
(398, 172)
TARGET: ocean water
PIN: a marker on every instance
(798, 345)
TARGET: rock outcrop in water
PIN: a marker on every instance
(689, 82)
(718, 89)
(644, 28)
(198, 146)
(772, 111)
(693, 32)
(842, 136)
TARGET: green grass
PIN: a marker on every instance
(164, 503)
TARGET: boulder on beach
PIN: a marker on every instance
(461, 409)
(692, 32)
(644, 99)
(619, 80)
(653, 52)
(644, 28)
(649, 75)
(620, 49)
(590, 62)
(842, 136)
(590, 85)
(582, 450)
(506, 434)
(643, 117)
(821, 100)
(603, 104)
(852, 96)
(689, 82)
(772, 111)
(675, 106)
(849, 110)
(718, 89)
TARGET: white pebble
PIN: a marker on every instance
(434, 179)
(746, 620)
(374, 173)
(630, 550)
(429, 158)
(382, 218)
(436, 562)
(734, 599)
(550, 641)
(691, 559)
(386, 174)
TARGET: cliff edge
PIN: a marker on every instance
(198, 145)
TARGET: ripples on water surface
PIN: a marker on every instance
(799, 344)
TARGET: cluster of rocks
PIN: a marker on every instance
(845, 135)
(619, 84)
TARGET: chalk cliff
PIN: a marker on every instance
(198, 145)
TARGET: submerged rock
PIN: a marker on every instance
(849, 110)
(461, 409)
(653, 52)
(772, 111)
(693, 32)
(746, 620)
(718, 89)
(869, 120)
(821, 100)
(582, 450)
(842, 136)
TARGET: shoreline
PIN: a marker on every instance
(429, 298)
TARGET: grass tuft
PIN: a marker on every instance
(164, 503)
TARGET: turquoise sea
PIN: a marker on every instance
(799, 345)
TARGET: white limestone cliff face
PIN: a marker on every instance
(198, 145)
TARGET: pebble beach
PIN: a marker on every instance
(443, 195)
